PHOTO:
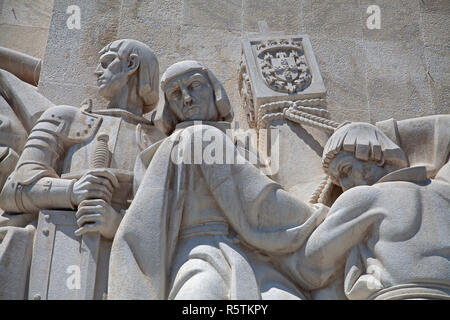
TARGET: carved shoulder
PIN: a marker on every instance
(356, 200)
(69, 123)
(147, 134)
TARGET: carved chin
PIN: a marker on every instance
(192, 113)
(103, 90)
(111, 86)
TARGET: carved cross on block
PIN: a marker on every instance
(265, 31)
(263, 27)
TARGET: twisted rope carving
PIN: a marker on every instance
(300, 111)
(303, 112)
(322, 192)
(311, 110)
(310, 119)
(326, 192)
(318, 192)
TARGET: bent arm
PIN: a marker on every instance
(263, 214)
(34, 184)
(348, 222)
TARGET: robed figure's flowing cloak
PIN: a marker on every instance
(263, 215)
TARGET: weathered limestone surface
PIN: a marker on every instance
(24, 25)
(61, 81)
(138, 195)
(398, 70)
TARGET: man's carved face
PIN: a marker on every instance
(191, 97)
(111, 74)
(350, 172)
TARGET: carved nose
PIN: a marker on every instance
(99, 70)
(187, 99)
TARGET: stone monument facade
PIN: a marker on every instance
(168, 183)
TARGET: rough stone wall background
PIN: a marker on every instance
(67, 75)
(401, 70)
(24, 25)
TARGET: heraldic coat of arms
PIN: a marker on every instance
(283, 65)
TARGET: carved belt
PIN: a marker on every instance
(212, 228)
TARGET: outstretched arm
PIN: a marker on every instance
(34, 183)
(263, 214)
(347, 224)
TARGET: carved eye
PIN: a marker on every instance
(106, 61)
(196, 85)
(346, 170)
(175, 94)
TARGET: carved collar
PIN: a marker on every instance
(124, 114)
(221, 125)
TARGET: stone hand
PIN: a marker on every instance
(95, 184)
(97, 216)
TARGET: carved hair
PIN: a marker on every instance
(166, 120)
(366, 142)
(147, 73)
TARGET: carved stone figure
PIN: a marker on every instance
(200, 229)
(20, 106)
(148, 198)
(389, 232)
(82, 160)
(12, 139)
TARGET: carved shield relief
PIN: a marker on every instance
(283, 65)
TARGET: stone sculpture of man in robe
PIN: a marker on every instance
(390, 229)
(200, 229)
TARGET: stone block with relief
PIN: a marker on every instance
(281, 88)
(282, 68)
